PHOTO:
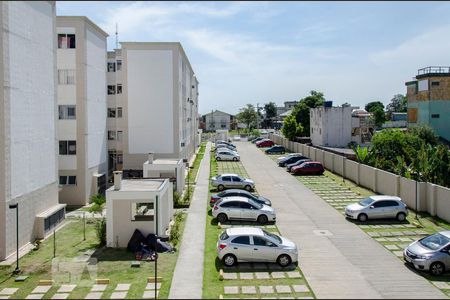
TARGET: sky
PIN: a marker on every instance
(257, 52)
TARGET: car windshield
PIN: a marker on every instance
(221, 194)
(366, 202)
(273, 236)
(435, 241)
(255, 204)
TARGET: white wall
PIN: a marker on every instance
(331, 126)
(150, 101)
(32, 94)
(96, 99)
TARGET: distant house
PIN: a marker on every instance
(218, 120)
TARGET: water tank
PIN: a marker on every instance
(328, 103)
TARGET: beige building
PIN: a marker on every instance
(28, 140)
(135, 204)
(152, 104)
(81, 58)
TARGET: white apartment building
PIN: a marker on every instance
(218, 120)
(28, 143)
(81, 59)
(152, 104)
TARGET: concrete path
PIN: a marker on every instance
(337, 258)
(187, 282)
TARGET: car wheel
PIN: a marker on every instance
(284, 260)
(218, 158)
(235, 159)
(220, 187)
(262, 219)
(222, 218)
(437, 268)
(248, 188)
(401, 217)
(229, 260)
(362, 217)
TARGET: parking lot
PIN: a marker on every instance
(338, 258)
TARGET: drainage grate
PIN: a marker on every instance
(322, 232)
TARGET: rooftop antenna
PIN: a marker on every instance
(117, 36)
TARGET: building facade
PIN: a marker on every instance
(218, 120)
(82, 108)
(28, 140)
(152, 104)
(429, 100)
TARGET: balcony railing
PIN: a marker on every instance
(433, 70)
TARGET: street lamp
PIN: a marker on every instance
(156, 247)
(16, 206)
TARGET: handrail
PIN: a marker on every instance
(433, 69)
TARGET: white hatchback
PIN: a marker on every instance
(241, 208)
(225, 154)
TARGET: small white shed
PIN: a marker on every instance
(165, 168)
(134, 204)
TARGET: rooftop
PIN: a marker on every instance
(433, 71)
(165, 161)
(140, 185)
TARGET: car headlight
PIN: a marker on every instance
(423, 256)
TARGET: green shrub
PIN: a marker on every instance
(175, 230)
(100, 230)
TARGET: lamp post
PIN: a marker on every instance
(16, 206)
(156, 247)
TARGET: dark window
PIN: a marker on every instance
(434, 83)
(382, 204)
(111, 67)
(67, 112)
(66, 41)
(258, 241)
(51, 221)
(72, 147)
(62, 147)
(111, 89)
(231, 204)
(72, 180)
(391, 203)
(244, 240)
(119, 112)
(435, 116)
(119, 89)
(111, 112)
(236, 179)
(119, 65)
(226, 178)
(62, 179)
(246, 205)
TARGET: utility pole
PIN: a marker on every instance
(257, 115)
(117, 36)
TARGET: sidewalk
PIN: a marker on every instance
(187, 282)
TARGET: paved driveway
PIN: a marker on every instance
(337, 258)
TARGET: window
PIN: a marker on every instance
(119, 112)
(67, 147)
(51, 221)
(111, 135)
(111, 67)
(226, 178)
(258, 241)
(381, 204)
(119, 135)
(111, 112)
(434, 83)
(236, 179)
(66, 76)
(231, 204)
(111, 89)
(246, 205)
(435, 116)
(68, 180)
(119, 159)
(142, 211)
(66, 41)
(119, 89)
(67, 112)
(244, 240)
(119, 65)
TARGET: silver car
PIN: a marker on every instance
(431, 253)
(221, 146)
(287, 156)
(377, 207)
(225, 154)
(240, 208)
(255, 245)
(232, 181)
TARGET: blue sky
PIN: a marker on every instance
(256, 52)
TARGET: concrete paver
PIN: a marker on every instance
(41, 289)
(66, 288)
(8, 291)
(335, 266)
(266, 289)
(118, 295)
(283, 289)
(122, 287)
(187, 281)
(230, 290)
(246, 276)
(60, 296)
(248, 289)
(34, 296)
(94, 295)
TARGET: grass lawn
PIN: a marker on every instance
(196, 165)
(212, 286)
(111, 263)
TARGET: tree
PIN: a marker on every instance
(379, 116)
(271, 112)
(371, 106)
(398, 103)
(98, 204)
(426, 133)
(291, 128)
(248, 116)
(301, 110)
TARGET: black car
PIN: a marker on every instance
(297, 163)
(257, 140)
(291, 160)
(240, 193)
(276, 149)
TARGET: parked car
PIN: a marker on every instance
(225, 143)
(220, 146)
(223, 154)
(308, 168)
(215, 198)
(287, 156)
(247, 244)
(431, 253)
(265, 143)
(291, 160)
(239, 208)
(257, 139)
(276, 149)
(377, 207)
(229, 181)
(297, 162)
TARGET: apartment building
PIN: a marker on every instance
(81, 59)
(218, 120)
(152, 104)
(429, 100)
(28, 143)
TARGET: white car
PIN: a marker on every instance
(287, 156)
(377, 207)
(241, 208)
(223, 154)
(255, 245)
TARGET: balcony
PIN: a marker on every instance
(433, 71)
